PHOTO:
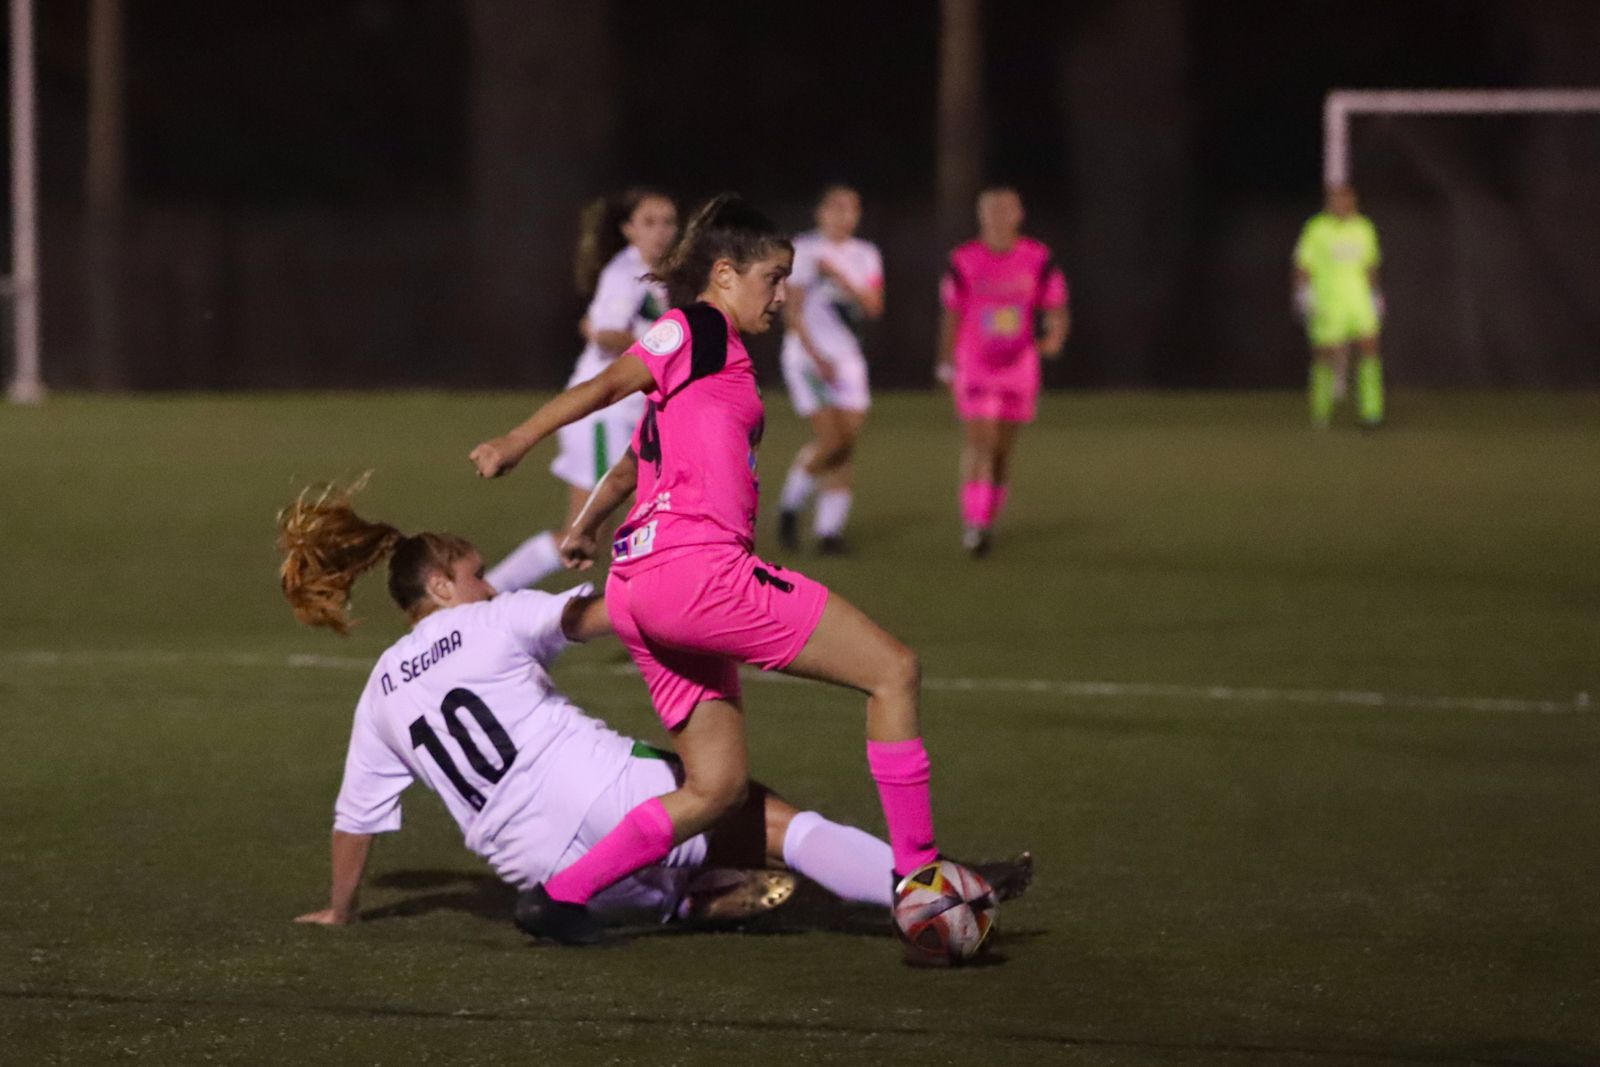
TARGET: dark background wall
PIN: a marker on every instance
(378, 192)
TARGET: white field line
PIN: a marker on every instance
(1217, 694)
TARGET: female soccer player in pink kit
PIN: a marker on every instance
(686, 593)
(988, 353)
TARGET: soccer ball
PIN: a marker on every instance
(943, 913)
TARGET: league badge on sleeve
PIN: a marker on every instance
(664, 338)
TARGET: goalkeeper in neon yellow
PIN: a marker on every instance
(1336, 291)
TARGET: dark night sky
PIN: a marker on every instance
(254, 131)
(366, 100)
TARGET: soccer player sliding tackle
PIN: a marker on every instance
(686, 593)
(464, 704)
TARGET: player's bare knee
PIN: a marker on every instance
(902, 671)
(719, 794)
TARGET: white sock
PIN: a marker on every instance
(532, 561)
(849, 863)
(796, 489)
(833, 508)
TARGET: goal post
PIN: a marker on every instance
(1343, 105)
(1487, 210)
(22, 286)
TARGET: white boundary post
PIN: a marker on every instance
(1342, 105)
(27, 387)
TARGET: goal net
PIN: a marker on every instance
(1487, 205)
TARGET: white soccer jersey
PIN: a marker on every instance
(623, 300)
(832, 318)
(463, 703)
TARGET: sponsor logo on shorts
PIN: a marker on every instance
(640, 542)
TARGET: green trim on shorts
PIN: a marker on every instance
(819, 388)
(644, 751)
(601, 453)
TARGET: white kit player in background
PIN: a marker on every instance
(464, 704)
(836, 286)
(620, 240)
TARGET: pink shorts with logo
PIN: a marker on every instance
(1005, 398)
(693, 615)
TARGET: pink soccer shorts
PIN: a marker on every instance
(980, 400)
(699, 611)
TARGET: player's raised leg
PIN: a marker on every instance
(848, 648)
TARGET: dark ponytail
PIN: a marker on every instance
(600, 232)
(724, 227)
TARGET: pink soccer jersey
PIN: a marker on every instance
(697, 442)
(995, 296)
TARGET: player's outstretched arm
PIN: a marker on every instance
(624, 377)
(578, 548)
(585, 618)
(349, 864)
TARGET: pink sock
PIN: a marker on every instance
(995, 503)
(901, 770)
(643, 837)
(972, 496)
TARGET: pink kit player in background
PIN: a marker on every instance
(993, 291)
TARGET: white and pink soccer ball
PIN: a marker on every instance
(944, 914)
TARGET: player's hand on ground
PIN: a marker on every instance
(577, 551)
(494, 457)
(326, 917)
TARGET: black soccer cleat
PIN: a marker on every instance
(537, 915)
(832, 545)
(1008, 878)
(789, 529)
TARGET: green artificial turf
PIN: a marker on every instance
(1290, 829)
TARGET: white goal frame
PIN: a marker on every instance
(1343, 105)
(22, 286)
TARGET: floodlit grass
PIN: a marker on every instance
(1280, 879)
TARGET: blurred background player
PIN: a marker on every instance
(620, 239)
(463, 702)
(836, 286)
(1336, 291)
(994, 291)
